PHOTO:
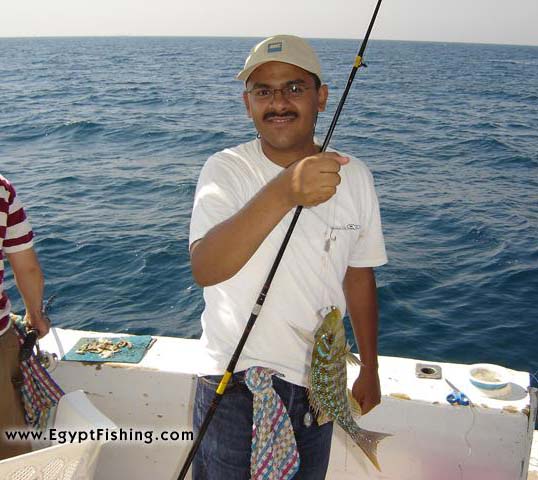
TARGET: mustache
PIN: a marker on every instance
(287, 114)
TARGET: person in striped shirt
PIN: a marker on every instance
(16, 245)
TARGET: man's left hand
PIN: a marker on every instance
(38, 321)
(366, 389)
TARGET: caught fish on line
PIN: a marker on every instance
(328, 393)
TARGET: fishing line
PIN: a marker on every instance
(219, 393)
(466, 435)
(328, 219)
(325, 263)
(467, 442)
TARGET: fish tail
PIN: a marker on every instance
(368, 441)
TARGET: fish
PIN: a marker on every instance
(328, 394)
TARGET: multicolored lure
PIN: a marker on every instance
(328, 393)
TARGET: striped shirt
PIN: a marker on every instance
(15, 235)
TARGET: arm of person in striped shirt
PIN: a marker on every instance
(29, 279)
(17, 244)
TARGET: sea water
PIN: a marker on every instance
(104, 139)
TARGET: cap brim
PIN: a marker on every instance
(246, 72)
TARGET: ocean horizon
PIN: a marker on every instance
(250, 37)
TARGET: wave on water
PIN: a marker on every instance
(81, 128)
(71, 130)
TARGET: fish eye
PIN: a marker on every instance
(329, 337)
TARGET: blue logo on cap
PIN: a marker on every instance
(274, 47)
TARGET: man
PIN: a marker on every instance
(16, 244)
(243, 206)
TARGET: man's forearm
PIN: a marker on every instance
(361, 299)
(228, 246)
(29, 280)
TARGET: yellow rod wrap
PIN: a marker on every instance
(358, 61)
(222, 385)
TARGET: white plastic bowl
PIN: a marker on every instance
(488, 376)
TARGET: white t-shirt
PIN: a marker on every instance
(309, 277)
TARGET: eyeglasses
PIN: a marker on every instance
(291, 91)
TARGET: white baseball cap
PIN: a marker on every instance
(282, 48)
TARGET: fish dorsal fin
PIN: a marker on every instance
(306, 335)
(353, 405)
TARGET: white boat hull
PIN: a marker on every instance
(431, 439)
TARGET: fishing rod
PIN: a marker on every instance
(219, 393)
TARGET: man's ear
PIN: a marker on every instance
(246, 101)
(323, 95)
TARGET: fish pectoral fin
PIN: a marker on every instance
(304, 334)
(323, 418)
(356, 410)
(353, 360)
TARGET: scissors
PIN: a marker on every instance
(457, 397)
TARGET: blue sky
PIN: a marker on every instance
(483, 21)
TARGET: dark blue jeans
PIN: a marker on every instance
(225, 450)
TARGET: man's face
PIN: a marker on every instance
(284, 122)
